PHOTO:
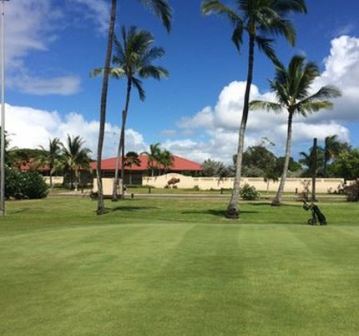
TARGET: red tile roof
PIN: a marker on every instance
(179, 164)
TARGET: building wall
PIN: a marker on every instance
(207, 183)
(55, 179)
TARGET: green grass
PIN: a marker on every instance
(177, 267)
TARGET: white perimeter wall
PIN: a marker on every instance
(207, 183)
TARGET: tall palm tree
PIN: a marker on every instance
(103, 107)
(259, 19)
(75, 157)
(133, 61)
(51, 156)
(162, 9)
(292, 87)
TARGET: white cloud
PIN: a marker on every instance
(30, 27)
(63, 85)
(222, 121)
(29, 128)
(96, 11)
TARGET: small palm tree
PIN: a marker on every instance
(74, 158)
(51, 156)
(292, 88)
(132, 159)
(154, 157)
(258, 19)
(166, 160)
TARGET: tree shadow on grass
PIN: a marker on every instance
(274, 207)
(213, 212)
(130, 208)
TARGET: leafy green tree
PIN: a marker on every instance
(74, 158)
(51, 157)
(346, 165)
(332, 148)
(259, 20)
(212, 168)
(133, 61)
(292, 87)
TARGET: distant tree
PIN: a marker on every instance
(154, 157)
(346, 165)
(308, 161)
(132, 159)
(332, 148)
(74, 158)
(166, 160)
(294, 167)
(212, 168)
(51, 157)
(292, 87)
(257, 20)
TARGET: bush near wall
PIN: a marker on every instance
(29, 185)
(352, 192)
(249, 193)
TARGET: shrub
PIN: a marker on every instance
(196, 188)
(249, 193)
(24, 185)
(352, 192)
(12, 185)
(33, 185)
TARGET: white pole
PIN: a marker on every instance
(2, 75)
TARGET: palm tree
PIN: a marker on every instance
(74, 158)
(258, 19)
(166, 160)
(51, 156)
(133, 61)
(132, 159)
(103, 107)
(153, 157)
(162, 9)
(292, 88)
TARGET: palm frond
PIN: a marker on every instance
(162, 9)
(265, 45)
(155, 72)
(217, 7)
(265, 105)
(139, 87)
(298, 6)
(237, 35)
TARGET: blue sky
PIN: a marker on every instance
(54, 45)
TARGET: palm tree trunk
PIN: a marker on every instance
(117, 166)
(111, 32)
(314, 169)
(278, 198)
(232, 209)
(121, 146)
